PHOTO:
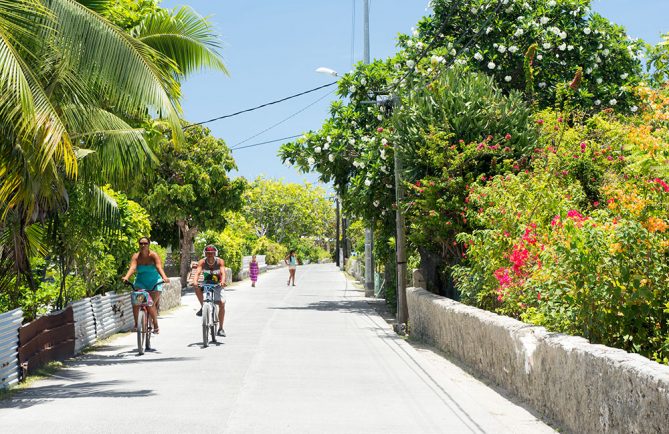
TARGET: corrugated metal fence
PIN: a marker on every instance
(59, 335)
(10, 322)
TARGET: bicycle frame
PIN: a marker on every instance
(209, 313)
(141, 299)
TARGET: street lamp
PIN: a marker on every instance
(329, 71)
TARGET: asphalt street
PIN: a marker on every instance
(310, 358)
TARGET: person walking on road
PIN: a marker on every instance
(213, 270)
(253, 270)
(291, 261)
(149, 270)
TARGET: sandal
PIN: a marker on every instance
(156, 331)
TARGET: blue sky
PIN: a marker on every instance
(273, 47)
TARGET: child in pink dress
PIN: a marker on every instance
(253, 270)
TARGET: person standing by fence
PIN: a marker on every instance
(253, 270)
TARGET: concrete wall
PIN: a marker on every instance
(585, 388)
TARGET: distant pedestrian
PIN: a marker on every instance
(253, 270)
(291, 261)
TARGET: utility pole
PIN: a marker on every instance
(400, 245)
(337, 237)
(369, 231)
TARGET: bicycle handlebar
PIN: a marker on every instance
(132, 285)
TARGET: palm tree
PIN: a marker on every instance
(72, 84)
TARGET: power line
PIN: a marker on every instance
(261, 106)
(236, 145)
(264, 143)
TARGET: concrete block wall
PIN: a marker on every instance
(585, 388)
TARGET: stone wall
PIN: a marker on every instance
(171, 295)
(585, 388)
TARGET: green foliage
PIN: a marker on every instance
(356, 236)
(285, 212)
(273, 251)
(578, 242)
(566, 34)
(229, 244)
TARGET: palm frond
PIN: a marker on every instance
(185, 37)
(133, 77)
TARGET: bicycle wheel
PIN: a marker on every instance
(148, 333)
(141, 329)
(206, 317)
(213, 323)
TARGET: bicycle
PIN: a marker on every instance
(141, 298)
(209, 312)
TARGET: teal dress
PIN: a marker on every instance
(146, 276)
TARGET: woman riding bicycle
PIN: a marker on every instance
(213, 269)
(149, 270)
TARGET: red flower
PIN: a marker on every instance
(540, 121)
(664, 185)
(379, 130)
(508, 136)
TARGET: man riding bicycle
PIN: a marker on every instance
(212, 268)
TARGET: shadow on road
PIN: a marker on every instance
(120, 359)
(102, 389)
(348, 306)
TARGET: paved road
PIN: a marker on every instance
(314, 358)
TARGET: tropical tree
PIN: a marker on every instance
(76, 91)
(286, 212)
(191, 187)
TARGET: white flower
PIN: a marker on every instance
(376, 203)
(542, 85)
(368, 182)
(519, 32)
(363, 81)
(419, 45)
(398, 66)
(389, 186)
(501, 49)
(587, 30)
(634, 108)
(409, 43)
(317, 149)
(543, 20)
(434, 59)
(624, 76)
(491, 65)
(606, 52)
(599, 80)
(540, 56)
(597, 102)
(329, 139)
(411, 63)
(311, 161)
(546, 45)
(379, 117)
(414, 31)
(507, 78)
(453, 53)
(384, 141)
(613, 101)
(331, 157)
(488, 30)
(351, 141)
(478, 56)
(563, 35)
(551, 3)
(351, 89)
(513, 49)
(562, 47)
(473, 10)
(461, 62)
(326, 146)
(570, 47)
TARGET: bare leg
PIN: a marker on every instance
(221, 314)
(135, 311)
(155, 296)
(292, 276)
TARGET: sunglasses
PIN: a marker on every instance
(143, 244)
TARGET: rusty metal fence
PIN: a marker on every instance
(46, 339)
(10, 322)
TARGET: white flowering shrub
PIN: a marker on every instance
(494, 37)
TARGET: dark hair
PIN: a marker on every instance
(144, 238)
(291, 252)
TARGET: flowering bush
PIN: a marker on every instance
(578, 242)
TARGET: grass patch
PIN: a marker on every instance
(45, 371)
